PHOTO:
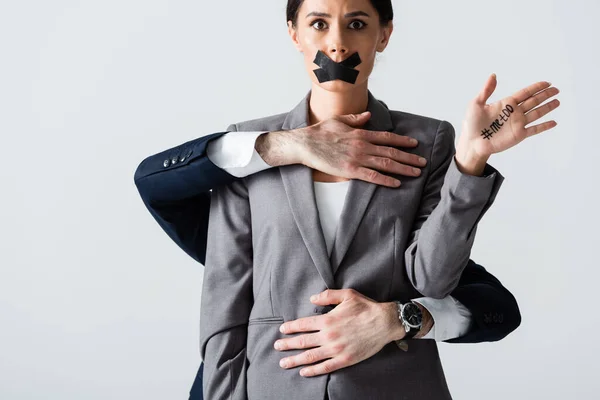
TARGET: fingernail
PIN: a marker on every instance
(396, 182)
(422, 160)
(282, 363)
(278, 345)
(417, 171)
(413, 141)
(313, 297)
(281, 328)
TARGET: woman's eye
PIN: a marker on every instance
(319, 21)
(355, 25)
(361, 24)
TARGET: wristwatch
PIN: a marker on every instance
(411, 317)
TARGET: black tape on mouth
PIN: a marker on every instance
(330, 70)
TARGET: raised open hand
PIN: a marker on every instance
(492, 128)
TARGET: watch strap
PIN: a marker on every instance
(411, 333)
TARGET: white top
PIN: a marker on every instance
(235, 153)
(330, 197)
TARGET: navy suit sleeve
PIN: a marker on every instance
(494, 309)
(175, 187)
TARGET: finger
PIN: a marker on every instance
(304, 324)
(306, 357)
(329, 296)
(355, 120)
(325, 367)
(386, 164)
(539, 128)
(394, 154)
(529, 91)
(304, 341)
(387, 138)
(539, 112)
(372, 176)
(538, 99)
(488, 89)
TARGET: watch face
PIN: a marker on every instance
(412, 314)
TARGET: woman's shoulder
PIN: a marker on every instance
(422, 127)
(405, 117)
(268, 123)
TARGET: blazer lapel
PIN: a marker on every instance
(299, 187)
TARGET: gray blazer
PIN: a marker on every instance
(266, 255)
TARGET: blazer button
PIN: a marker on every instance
(174, 160)
(182, 159)
(189, 153)
(166, 163)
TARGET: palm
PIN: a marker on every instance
(493, 128)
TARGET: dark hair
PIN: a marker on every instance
(383, 7)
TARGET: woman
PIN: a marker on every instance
(266, 251)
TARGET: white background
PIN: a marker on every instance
(97, 303)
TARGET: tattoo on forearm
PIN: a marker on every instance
(498, 122)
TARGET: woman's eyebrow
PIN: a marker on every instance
(349, 15)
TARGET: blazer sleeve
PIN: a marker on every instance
(177, 194)
(452, 204)
(227, 296)
(494, 310)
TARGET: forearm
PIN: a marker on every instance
(175, 184)
(397, 330)
(469, 163)
(441, 248)
(280, 148)
(179, 173)
(443, 319)
(448, 318)
(494, 309)
(175, 188)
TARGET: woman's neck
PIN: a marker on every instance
(324, 104)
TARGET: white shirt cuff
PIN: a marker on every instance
(235, 153)
(451, 318)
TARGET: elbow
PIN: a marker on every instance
(139, 174)
(435, 290)
(515, 324)
(510, 320)
(143, 185)
(437, 287)
(432, 276)
(434, 293)
(508, 326)
(514, 318)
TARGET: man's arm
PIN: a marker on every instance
(221, 158)
(443, 319)
(175, 187)
(495, 311)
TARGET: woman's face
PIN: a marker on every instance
(339, 28)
